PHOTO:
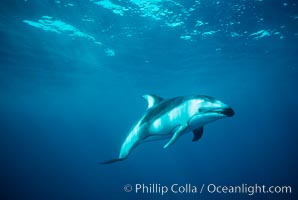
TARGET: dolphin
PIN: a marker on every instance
(171, 118)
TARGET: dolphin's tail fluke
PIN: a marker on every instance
(112, 161)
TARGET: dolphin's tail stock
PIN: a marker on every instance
(112, 161)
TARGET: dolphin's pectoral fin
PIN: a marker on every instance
(152, 100)
(175, 136)
(197, 134)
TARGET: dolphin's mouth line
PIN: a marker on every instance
(224, 111)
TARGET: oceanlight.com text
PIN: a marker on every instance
(175, 188)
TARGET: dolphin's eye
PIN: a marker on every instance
(201, 110)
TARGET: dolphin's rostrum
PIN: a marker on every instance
(172, 118)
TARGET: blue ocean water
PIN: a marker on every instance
(72, 74)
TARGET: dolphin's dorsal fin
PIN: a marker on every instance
(152, 100)
(197, 133)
